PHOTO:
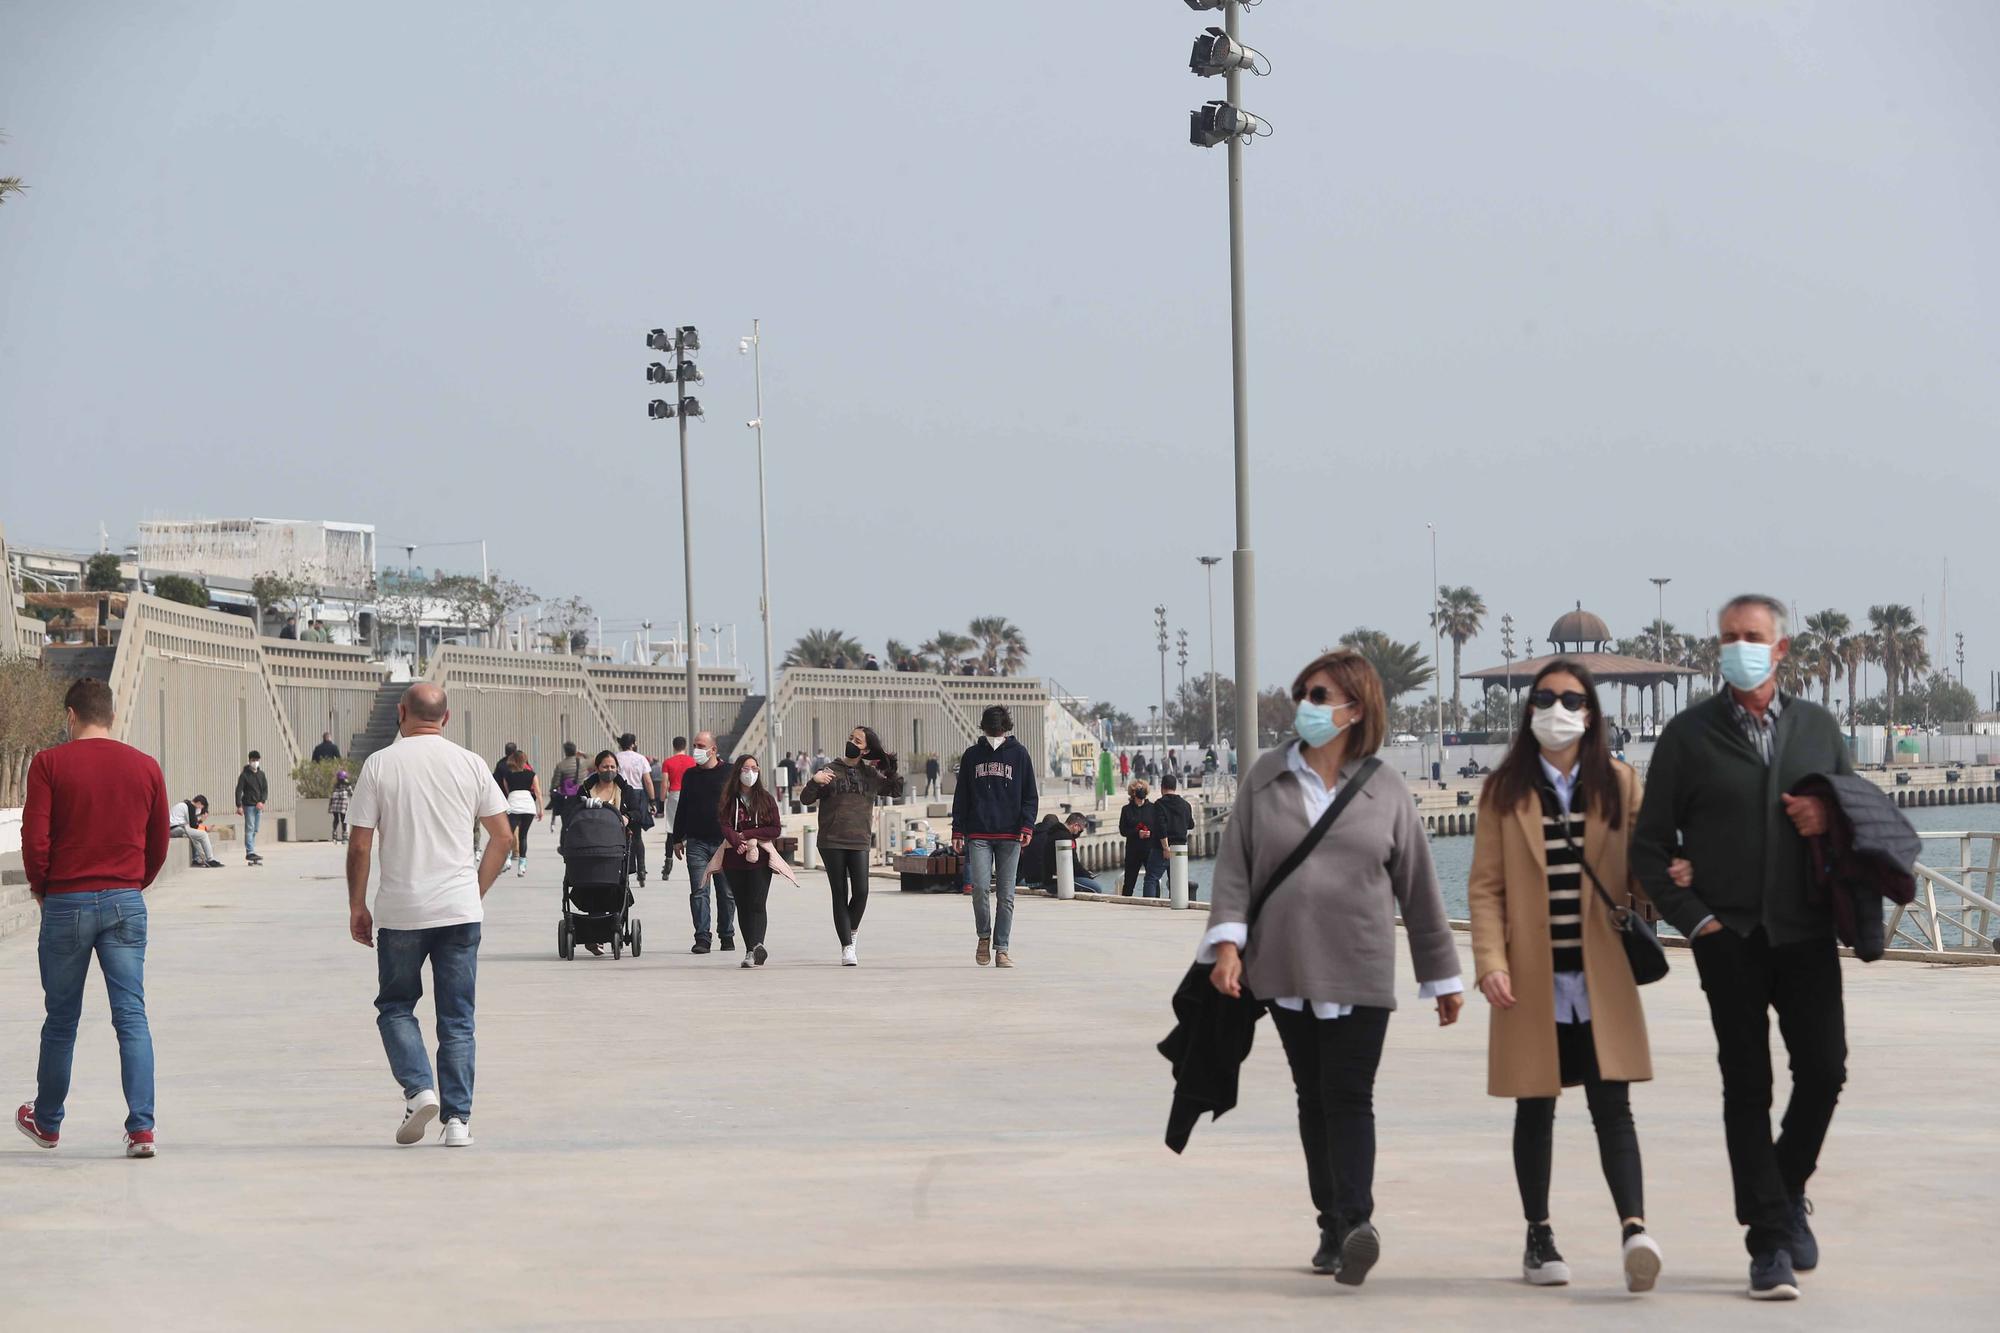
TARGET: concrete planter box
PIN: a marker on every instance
(309, 823)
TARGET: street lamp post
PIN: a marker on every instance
(1181, 637)
(755, 345)
(1209, 562)
(684, 342)
(1160, 624)
(1659, 640)
(1437, 644)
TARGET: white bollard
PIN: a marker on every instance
(808, 848)
(1177, 868)
(1065, 869)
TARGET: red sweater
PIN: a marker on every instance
(96, 818)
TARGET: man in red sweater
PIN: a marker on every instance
(93, 835)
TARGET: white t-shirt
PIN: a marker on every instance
(422, 796)
(633, 768)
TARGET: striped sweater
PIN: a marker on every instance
(1566, 886)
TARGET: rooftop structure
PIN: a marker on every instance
(337, 555)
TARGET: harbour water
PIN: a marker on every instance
(1453, 855)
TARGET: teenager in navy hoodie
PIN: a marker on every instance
(992, 818)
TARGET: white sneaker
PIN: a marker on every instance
(1642, 1262)
(457, 1134)
(418, 1112)
(521, 867)
(847, 958)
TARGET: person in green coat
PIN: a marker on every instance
(1107, 777)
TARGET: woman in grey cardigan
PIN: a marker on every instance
(1323, 952)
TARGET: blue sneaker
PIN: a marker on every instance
(1771, 1277)
(1805, 1245)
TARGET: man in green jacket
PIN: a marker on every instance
(1717, 797)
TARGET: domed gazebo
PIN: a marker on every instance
(1582, 637)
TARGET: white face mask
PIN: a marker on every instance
(749, 777)
(700, 755)
(996, 741)
(1558, 728)
(256, 764)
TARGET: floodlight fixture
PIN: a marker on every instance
(690, 373)
(1215, 52)
(659, 341)
(690, 339)
(690, 407)
(660, 410)
(1218, 122)
(658, 374)
(1199, 5)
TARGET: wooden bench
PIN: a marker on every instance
(928, 874)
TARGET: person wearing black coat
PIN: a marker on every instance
(1143, 824)
(1175, 810)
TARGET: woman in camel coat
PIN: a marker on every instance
(1547, 953)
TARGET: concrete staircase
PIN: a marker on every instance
(380, 731)
(746, 713)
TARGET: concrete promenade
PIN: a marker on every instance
(915, 1144)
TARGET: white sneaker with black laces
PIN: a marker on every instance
(418, 1112)
(847, 958)
(457, 1134)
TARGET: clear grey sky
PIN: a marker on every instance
(1701, 289)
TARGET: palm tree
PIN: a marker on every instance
(1460, 614)
(1002, 649)
(1831, 626)
(895, 653)
(1900, 646)
(945, 648)
(824, 647)
(1705, 656)
(1802, 662)
(9, 184)
(1402, 666)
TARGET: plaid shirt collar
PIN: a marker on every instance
(1760, 732)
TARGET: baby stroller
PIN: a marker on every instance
(596, 899)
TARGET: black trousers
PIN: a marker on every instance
(1144, 854)
(1333, 1068)
(847, 876)
(753, 896)
(1744, 977)
(1611, 1114)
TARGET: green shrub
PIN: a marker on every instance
(315, 780)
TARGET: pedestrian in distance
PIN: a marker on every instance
(845, 792)
(291, 629)
(1175, 812)
(672, 770)
(1141, 823)
(637, 772)
(523, 793)
(188, 819)
(633, 812)
(253, 791)
(993, 809)
(787, 780)
(1549, 874)
(1124, 766)
(419, 800)
(326, 749)
(1718, 795)
(1322, 951)
(697, 837)
(933, 777)
(93, 837)
(566, 782)
(750, 824)
(337, 802)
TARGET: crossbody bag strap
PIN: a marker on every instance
(1313, 835)
(1595, 882)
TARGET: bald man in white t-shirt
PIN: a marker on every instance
(420, 798)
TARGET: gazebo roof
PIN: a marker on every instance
(1579, 626)
(1609, 668)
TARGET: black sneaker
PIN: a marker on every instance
(729, 944)
(1359, 1249)
(1327, 1256)
(1805, 1245)
(1771, 1277)
(1542, 1263)
(700, 946)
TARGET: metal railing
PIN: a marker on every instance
(1926, 926)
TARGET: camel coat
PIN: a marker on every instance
(1509, 890)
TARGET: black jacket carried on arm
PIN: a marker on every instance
(1210, 1041)
(1711, 798)
(698, 816)
(1864, 857)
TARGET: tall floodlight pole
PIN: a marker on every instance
(755, 345)
(1209, 562)
(684, 342)
(1218, 51)
(1182, 656)
(1160, 624)
(1659, 640)
(1437, 643)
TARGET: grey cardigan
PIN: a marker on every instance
(1329, 932)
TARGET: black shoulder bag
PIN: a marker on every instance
(1642, 947)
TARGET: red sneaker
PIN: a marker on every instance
(139, 1143)
(24, 1120)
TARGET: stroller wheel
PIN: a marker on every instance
(565, 942)
(617, 946)
(635, 938)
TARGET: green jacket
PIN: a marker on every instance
(1711, 798)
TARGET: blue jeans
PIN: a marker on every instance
(111, 923)
(399, 962)
(699, 854)
(252, 817)
(988, 861)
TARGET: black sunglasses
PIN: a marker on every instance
(1574, 700)
(1320, 695)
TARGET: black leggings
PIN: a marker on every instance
(752, 885)
(847, 876)
(521, 823)
(1611, 1114)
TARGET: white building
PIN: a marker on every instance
(335, 555)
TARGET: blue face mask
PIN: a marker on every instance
(1315, 724)
(1746, 665)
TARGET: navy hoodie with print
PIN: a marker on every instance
(996, 795)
